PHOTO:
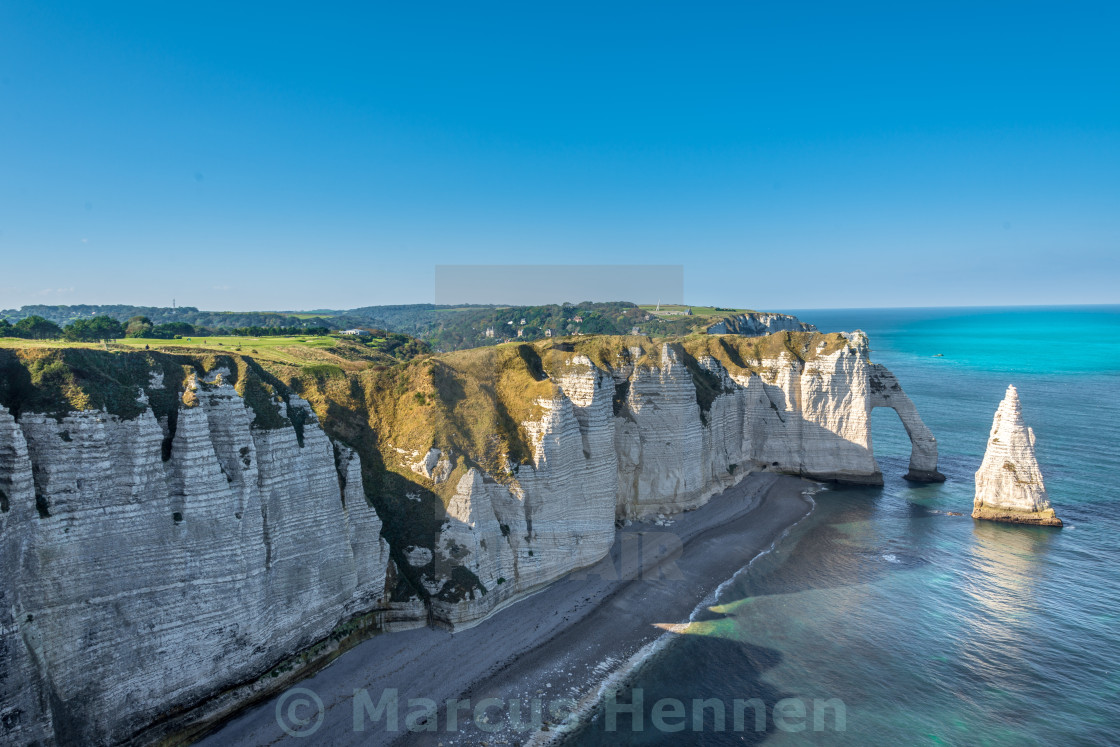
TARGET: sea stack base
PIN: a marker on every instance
(923, 475)
(1045, 518)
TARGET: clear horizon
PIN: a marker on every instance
(816, 156)
(781, 310)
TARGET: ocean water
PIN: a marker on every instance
(931, 628)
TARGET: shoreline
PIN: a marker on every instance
(560, 643)
(619, 677)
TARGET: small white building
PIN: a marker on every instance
(548, 333)
(521, 332)
(353, 332)
(488, 332)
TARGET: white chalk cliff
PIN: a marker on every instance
(659, 454)
(133, 586)
(149, 563)
(754, 323)
(1009, 484)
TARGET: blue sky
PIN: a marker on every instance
(789, 155)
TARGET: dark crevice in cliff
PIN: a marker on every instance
(621, 393)
(340, 469)
(266, 535)
(298, 417)
(533, 362)
(169, 434)
(707, 384)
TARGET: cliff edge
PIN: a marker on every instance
(756, 323)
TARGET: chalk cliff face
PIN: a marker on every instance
(149, 562)
(557, 514)
(756, 323)
(134, 585)
(1009, 483)
(661, 453)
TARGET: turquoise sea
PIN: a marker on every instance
(932, 628)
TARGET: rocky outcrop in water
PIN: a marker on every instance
(1009, 484)
(755, 323)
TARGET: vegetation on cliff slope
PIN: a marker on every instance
(57, 381)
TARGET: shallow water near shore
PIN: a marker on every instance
(932, 628)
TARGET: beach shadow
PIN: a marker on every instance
(704, 669)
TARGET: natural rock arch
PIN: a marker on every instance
(885, 391)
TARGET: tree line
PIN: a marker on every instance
(63, 315)
(107, 328)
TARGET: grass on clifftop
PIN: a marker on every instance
(704, 311)
(472, 403)
(348, 354)
(745, 354)
(60, 380)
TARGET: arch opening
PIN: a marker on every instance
(886, 393)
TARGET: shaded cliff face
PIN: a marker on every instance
(149, 563)
(1009, 482)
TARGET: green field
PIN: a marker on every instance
(696, 310)
(299, 351)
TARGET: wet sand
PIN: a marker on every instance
(554, 647)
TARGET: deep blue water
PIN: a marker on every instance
(932, 628)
